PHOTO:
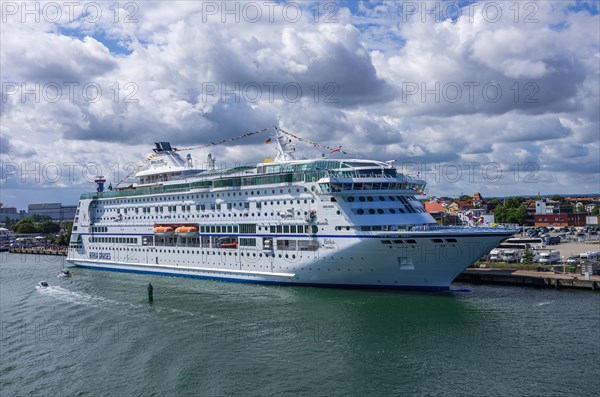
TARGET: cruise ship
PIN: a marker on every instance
(321, 222)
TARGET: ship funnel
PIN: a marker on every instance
(100, 183)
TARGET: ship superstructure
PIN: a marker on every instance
(327, 222)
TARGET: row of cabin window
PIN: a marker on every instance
(235, 215)
(201, 207)
(435, 240)
(115, 240)
(251, 228)
(362, 199)
(381, 211)
(199, 196)
(385, 228)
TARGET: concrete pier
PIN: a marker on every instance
(39, 251)
(529, 278)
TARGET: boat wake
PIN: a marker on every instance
(84, 299)
(78, 298)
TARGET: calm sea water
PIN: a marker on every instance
(96, 334)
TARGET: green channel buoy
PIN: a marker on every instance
(150, 292)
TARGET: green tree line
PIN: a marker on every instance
(512, 210)
(42, 224)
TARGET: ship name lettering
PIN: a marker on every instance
(99, 255)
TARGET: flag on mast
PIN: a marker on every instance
(268, 141)
(336, 150)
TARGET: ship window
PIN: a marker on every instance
(381, 198)
(437, 240)
(386, 242)
(350, 199)
(398, 242)
(451, 240)
(360, 211)
(272, 229)
(411, 241)
(369, 198)
(379, 211)
(247, 242)
(286, 229)
(392, 211)
(361, 198)
(371, 211)
(293, 229)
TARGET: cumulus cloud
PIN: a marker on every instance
(383, 79)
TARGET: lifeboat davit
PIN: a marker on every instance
(187, 231)
(164, 231)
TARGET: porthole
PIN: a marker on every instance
(371, 211)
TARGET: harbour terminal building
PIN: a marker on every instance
(58, 212)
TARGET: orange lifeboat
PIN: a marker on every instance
(228, 245)
(187, 231)
(163, 231)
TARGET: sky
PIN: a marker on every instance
(500, 98)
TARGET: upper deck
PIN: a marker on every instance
(169, 173)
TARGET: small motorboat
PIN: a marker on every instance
(65, 273)
(43, 284)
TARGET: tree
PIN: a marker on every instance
(558, 198)
(500, 213)
(521, 214)
(513, 210)
(528, 256)
(9, 223)
(40, 218)
(48, 227)
(596, 210)
(25, 226)
(65, 237)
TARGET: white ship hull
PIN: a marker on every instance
(373, 262)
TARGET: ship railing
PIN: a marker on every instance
(425, 228)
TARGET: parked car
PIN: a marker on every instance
(572, 260)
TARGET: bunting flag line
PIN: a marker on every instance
(315, 144)
(246, 135)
